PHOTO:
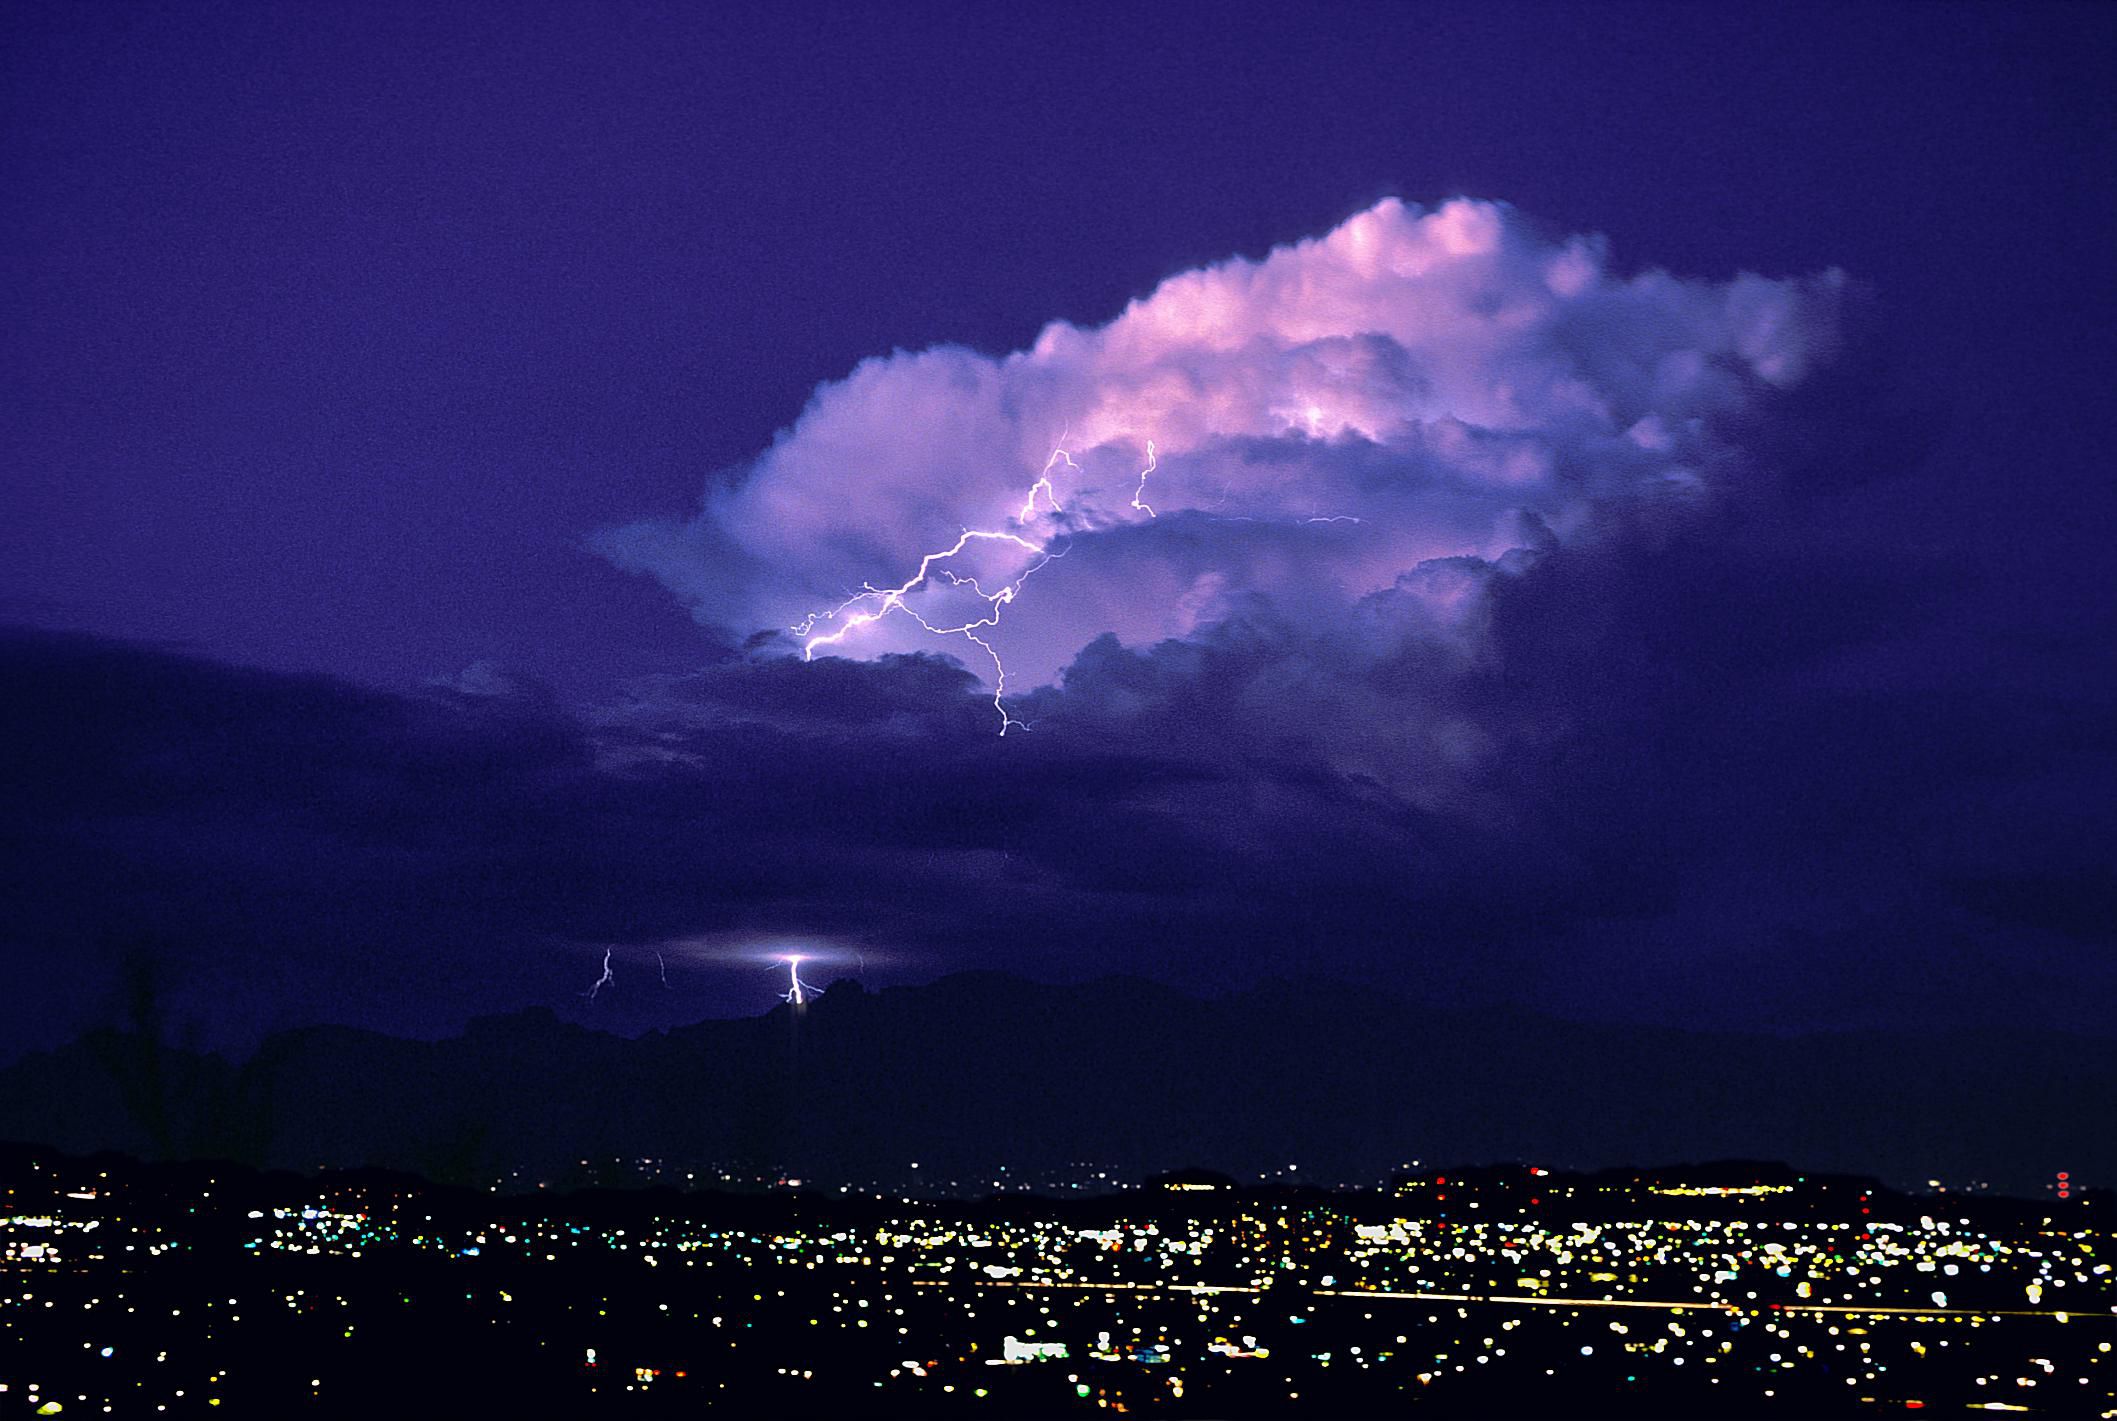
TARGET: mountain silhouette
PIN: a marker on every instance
(983, 1070)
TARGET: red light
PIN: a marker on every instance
(2063, 1175)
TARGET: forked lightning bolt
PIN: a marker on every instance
(887, 600)
(874, 603)
(871, 604)
(1043, 485)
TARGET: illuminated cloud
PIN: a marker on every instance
(1354, 433)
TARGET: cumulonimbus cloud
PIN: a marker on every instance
(1357, 430)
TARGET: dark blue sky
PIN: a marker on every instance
(333, 334)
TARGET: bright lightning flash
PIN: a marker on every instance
(871, 604)
(798, 992)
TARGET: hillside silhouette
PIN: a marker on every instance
(982, 1070)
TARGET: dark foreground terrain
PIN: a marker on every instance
(980, 1070)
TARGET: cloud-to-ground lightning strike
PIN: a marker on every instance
(798, 992)
(886, 600)
(602, 981)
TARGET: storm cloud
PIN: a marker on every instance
(1357, 433)
(1506, 628)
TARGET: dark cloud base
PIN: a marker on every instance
(1750, 765)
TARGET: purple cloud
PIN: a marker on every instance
(1358, 431)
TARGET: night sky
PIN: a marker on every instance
(1629, 514)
